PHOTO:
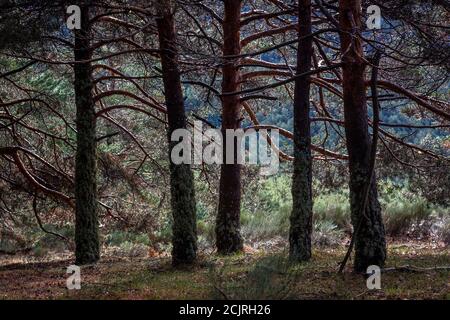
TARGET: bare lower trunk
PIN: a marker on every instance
(228, 238)
(86, 225)
(184, 231)
(370, 244)
(301, 217)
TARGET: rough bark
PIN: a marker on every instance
(370, 242)
(301, 217)
(228, 238)
(184, 230)
(86, 226)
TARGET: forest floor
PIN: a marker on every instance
(251, 275)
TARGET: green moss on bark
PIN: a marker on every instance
(301, 217)
(184, 239)
(86, 226)
(184, 230)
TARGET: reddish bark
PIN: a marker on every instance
(370, 243)
(228, 238)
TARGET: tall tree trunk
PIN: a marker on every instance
(370, 243)
(86, 226)
(228, 238)
(184, 231)
(301, 217)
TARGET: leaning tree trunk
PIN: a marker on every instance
(86, 225)
(184, 237)
(301, 217)
(370, 243)
(228, 238)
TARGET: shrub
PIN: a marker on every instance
(333, 207)
(326, 233)
(265, 224)
(403, 209)
(405, 212)
(401, 215)
(117, 238)
(267, 213)
(205, 230)
(47, 241)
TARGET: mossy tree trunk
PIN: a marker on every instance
(86, 226)
(301, 217)
(228, 237)
(184, 237)
(370, 243)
